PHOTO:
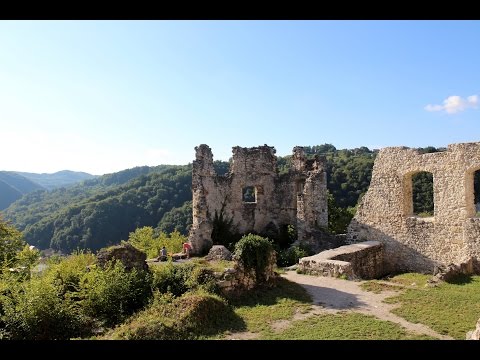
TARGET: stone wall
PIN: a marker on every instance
(233, 281)
(362, 260)
(385, 213)
(297, 198)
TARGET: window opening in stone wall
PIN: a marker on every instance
(300, 186)
(249, 194)
(422, 194)
(476, 191)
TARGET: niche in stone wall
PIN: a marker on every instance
(249, 194)
(422, 194)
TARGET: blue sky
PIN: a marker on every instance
(102, 96)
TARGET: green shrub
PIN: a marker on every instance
(145, 239)
(66, 273)
(35, 311)
(180, 278)
(254, 252)
(290, 256)
(112, 294)
(191, 316)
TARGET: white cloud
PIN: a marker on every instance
(454, 104)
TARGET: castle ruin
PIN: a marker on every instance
(255, 197)
(412, 243)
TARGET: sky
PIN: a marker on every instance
(103, 96)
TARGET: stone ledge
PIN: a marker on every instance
(360, 260)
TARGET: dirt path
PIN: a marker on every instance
(331, 295)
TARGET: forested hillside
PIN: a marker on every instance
(102, 211)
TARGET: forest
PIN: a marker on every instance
(102, 211)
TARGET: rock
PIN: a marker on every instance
(126, 253)
(219, 252)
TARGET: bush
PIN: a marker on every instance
(145, 239)
(178, 279)
(66, 273)
(254, 252)
(34, 311)
(113, 294)
(191, 316)
(290, 256)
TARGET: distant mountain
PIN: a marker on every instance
(13, 186)
(58, 179)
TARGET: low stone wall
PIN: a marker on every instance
(362, 260)
(238, 279)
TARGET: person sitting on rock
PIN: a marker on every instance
(186, 249)
(163, 254)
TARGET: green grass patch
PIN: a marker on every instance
(411, 279)
(449, 308)
(194, 315)
(377, 287)
(214, 265)
(261, 307)
(343, 326)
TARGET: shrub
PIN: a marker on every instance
(34, 311)
(191, 316)
(113, 294)
(178, 279)
(254, 252)
(290, 256)
(145, 239)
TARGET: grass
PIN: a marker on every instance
(261, 307)
(214, 265)
(377, 287)
(344, 326)
(450, 308)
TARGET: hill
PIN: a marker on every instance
(58, 179)
(13, 186)
(102, 211)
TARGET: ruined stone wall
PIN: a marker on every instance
(385, 213)
(298, 198)
(363, 260)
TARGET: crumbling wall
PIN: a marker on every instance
(298, 198)
(363, 260)
(385, 213)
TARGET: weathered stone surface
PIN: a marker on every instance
(363, 260)
(126, 253)
(238, 278)
(219, 252)
(297, 198)
(475, 334)
(385, 213)
(450, 272)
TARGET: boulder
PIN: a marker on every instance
(126, 253)
(219, 252)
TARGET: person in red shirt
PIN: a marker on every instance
(186, 249)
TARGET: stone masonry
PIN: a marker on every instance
(361, 260)
(297, 198)
(411, 243)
